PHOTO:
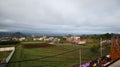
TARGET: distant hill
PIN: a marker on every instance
(11, 34)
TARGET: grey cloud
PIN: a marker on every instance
(87, 16)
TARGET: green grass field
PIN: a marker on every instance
(4, 54)
(59, 56)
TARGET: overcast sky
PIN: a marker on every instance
(60, 16)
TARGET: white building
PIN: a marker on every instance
(38, 38)
(22, 39)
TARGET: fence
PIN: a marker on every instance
(12, 49)
(68, 58)
(59, 60)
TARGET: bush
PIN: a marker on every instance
(8, 42)
(41, 45)
(94, 49)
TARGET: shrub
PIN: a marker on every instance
(37, 45)
(94, 49)
(8, 42)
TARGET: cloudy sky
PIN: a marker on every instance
(60, 16)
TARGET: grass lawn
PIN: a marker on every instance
(58, 56)
(4, 54)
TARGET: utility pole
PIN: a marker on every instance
(101, 47)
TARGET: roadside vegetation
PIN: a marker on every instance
(10, 42)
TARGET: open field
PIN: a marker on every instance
(59, 55)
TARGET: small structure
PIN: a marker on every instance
(4, 38)
(82, 42)
(55, 40)
(38, 38)
(76, 40)
(79, 41)
(69, 39)
(22, 38)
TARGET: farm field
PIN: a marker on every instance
(58, 55)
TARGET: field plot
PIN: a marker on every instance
(49, 56)
(37, 55)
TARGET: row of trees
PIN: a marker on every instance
(98, 36)
(10, 42)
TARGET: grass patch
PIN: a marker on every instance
(4, 54)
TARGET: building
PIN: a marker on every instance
(38, 38)
(22, 39)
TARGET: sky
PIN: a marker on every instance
(60, 16)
